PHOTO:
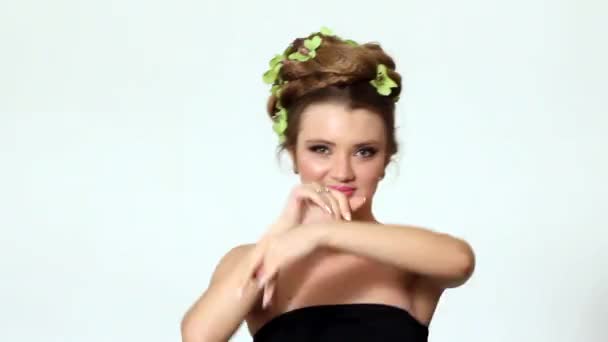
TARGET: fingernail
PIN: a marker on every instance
(348, 216)
(261, 283)
(328, 209)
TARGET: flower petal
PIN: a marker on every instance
(298, 57)
(326, 31)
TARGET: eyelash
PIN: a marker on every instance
(370, 150)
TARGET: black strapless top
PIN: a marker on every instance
(357, 322)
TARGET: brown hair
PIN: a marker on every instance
(340, 72)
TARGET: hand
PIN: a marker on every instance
(304, 197)
(309, 203)
(276, 252)
(346, 205)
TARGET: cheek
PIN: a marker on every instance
(311, 168)
(369, 172)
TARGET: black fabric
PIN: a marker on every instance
(343, 322)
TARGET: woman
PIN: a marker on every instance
(327, 270)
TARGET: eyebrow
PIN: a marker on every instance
(321, 141)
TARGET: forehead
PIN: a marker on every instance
(336, 122)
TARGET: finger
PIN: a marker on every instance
(268, 293)
(343, 203)
(319, 190)
(265, 295)
(318, 199)
(335, 205)
(254, 264)
(268, 274)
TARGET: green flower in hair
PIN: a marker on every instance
(275, 64)
(329, 33)
(275, 90)
(383, 83)
(326, 31)
(280, 124)
(308, 51)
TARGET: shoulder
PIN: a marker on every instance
(230, 260)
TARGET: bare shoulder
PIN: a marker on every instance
(229, 261)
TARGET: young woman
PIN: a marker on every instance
(327, 269)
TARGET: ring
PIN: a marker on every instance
(320, 190)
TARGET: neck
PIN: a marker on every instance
(364, 213)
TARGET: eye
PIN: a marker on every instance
(367, 152)
(319, 149)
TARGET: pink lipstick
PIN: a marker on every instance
(347, 190)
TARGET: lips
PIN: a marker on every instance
(347, 190)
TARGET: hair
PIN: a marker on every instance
(340, 73)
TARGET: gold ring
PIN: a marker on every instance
(320, 190)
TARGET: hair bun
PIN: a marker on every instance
(336, 63)
(324, 67)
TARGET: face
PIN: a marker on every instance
(341, 147)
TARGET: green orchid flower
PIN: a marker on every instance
(308, 51)
(311, 46)
(275, 64)
(326, 31)
(275, 90)
(329, 33)
(280, 124)
(383, 83)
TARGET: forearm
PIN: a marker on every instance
(412, 249)
(219, 312)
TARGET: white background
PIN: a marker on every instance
(135, 151)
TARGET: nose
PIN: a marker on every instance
(342, 169)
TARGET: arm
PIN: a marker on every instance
(445, 260)
(219, 312)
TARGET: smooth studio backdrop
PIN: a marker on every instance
(135, 151)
